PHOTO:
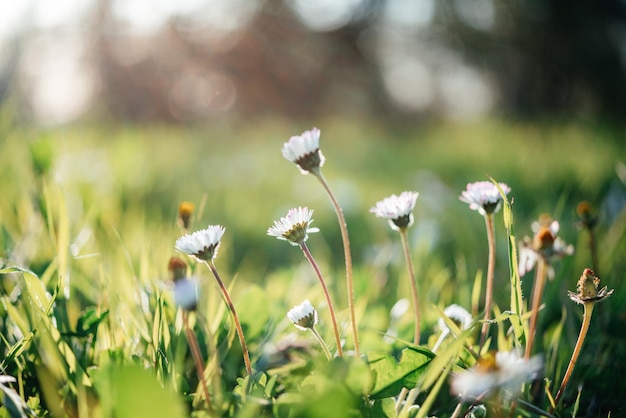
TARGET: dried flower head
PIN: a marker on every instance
(484, 196)
(505, 371)
(397, 209)
(459, 315)
(294, 227)
(587, 289)
(544, 244)
(185, 214)
(304, 150)
(203, 244)
(303, 316)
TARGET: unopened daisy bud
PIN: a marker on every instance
(304, 150)
(303, 316)
(294, 227)
(484, 196)
(186, 293)
(177, 268)
(586, 217)
(203, 244)
(185, 214)
(397, 209)
(587, 289)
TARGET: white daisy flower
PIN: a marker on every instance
(397, 209)
(303, 316)
(294, 227)
(203, 244)
(505, 371)
(304, 150)
(484, 196)
(544, 244)
(459, 315)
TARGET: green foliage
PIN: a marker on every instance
(391, 374)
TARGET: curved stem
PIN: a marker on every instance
(308, 255)
(491, 240)
(197, 358)
(442, 337)
(588, 306)
(538, 287)
(414, 295)
(229, 302)
(322, 343)
(347, 255)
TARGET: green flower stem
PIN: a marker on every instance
(491, 240)
(322, 343)
(588, 310)
(539, 285)
(442, 337)
(412, 394)
(229, 302)
(309, 257)
(414, 295)
(347, 254)
(197, 358)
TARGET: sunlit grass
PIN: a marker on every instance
(94, 219)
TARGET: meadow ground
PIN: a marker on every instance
(88, 223)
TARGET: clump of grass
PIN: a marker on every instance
(88, 325)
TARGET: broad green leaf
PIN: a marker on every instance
(383, 408)
(391, 375)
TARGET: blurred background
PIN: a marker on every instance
(397, 60)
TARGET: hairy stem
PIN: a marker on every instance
(347, 255)
(229, 302)
(309, 257)
(491, 240)
(588, 306)
(413, 283)
(197, 358)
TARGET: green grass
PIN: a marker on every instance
(90, 212)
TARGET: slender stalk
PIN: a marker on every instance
(322, 343)
(412, 394)
(538, 287)
(442, 337)
(457, 410)
(197, 358)
(588, 306)
(491, 240)
(229, 302)
(347, 255)
(414, 295)
(400, 401)
(309, 257)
